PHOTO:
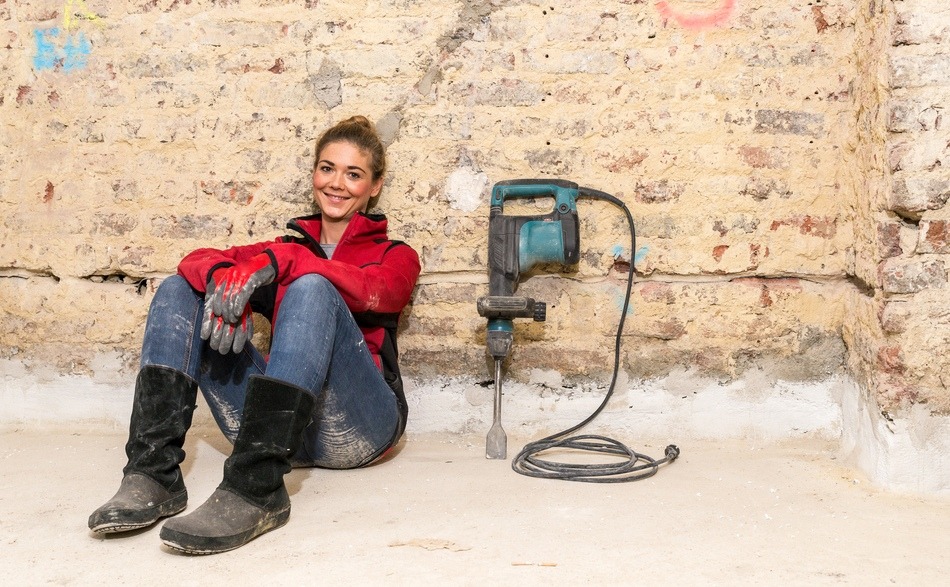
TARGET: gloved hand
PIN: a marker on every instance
(227, 323)
(233, 286)
(225, 336)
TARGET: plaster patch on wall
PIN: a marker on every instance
(326, 84)
(45, 395)
(464, 188)
(908, 452)
(681, 407)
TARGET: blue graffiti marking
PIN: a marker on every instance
(76, 50)
(641, 254)
(618, 252)
(45, 57)
(71, 51)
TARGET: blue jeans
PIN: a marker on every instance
(316, 345)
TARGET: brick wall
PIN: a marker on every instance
(782, 161)
(901, 328)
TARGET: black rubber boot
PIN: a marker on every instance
(152, 485)
(252, 498)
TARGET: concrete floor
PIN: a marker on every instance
(439, 513)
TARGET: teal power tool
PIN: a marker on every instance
(515, 245)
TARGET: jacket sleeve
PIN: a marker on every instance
(384, 286)
(198, 265)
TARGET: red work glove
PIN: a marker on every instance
(225, 336)
(234, 285)
(227, 323)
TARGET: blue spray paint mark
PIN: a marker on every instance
(46, 52)
(76, 50)
(641, 254)
(618, 252)
(73, 53)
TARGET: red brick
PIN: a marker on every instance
(616, 163)
(820, 22)
(23, 95)
(657, 292)
(934, 236)
(889, 239)
(719, 251)
(762, 189)
(889, 360)
(823, 227)
(760, 157)
(918, 71)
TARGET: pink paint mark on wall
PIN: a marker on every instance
(707, 20)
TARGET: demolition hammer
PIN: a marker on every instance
(516, 244)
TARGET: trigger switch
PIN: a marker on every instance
(540, 311)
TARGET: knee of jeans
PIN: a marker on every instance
(310, 285)
(173, 286)
(174, 296)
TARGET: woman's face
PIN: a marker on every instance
(343, 181)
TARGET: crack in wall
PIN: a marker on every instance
(478, 278)
(140, 283)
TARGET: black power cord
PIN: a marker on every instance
(634, 466)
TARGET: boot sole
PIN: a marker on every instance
(151, 516)
(186, 543)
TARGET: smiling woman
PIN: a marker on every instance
(327, 395)
(343, 184)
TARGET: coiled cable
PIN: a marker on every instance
(633, 466)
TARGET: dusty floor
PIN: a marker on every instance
(439, 513)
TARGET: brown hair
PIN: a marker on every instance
(361, 133)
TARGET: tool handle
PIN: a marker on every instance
(564, 192)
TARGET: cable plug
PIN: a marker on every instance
(672, 451)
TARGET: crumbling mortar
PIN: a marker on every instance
(479, 277)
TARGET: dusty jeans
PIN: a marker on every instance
(316, 345)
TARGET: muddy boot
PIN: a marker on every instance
(252, 498)
(152, 486)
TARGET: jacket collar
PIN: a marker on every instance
(361, 226)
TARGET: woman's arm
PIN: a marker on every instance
(198, 265)
(384, 286)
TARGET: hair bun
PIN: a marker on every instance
(359, 120)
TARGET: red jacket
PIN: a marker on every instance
(374, 275)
